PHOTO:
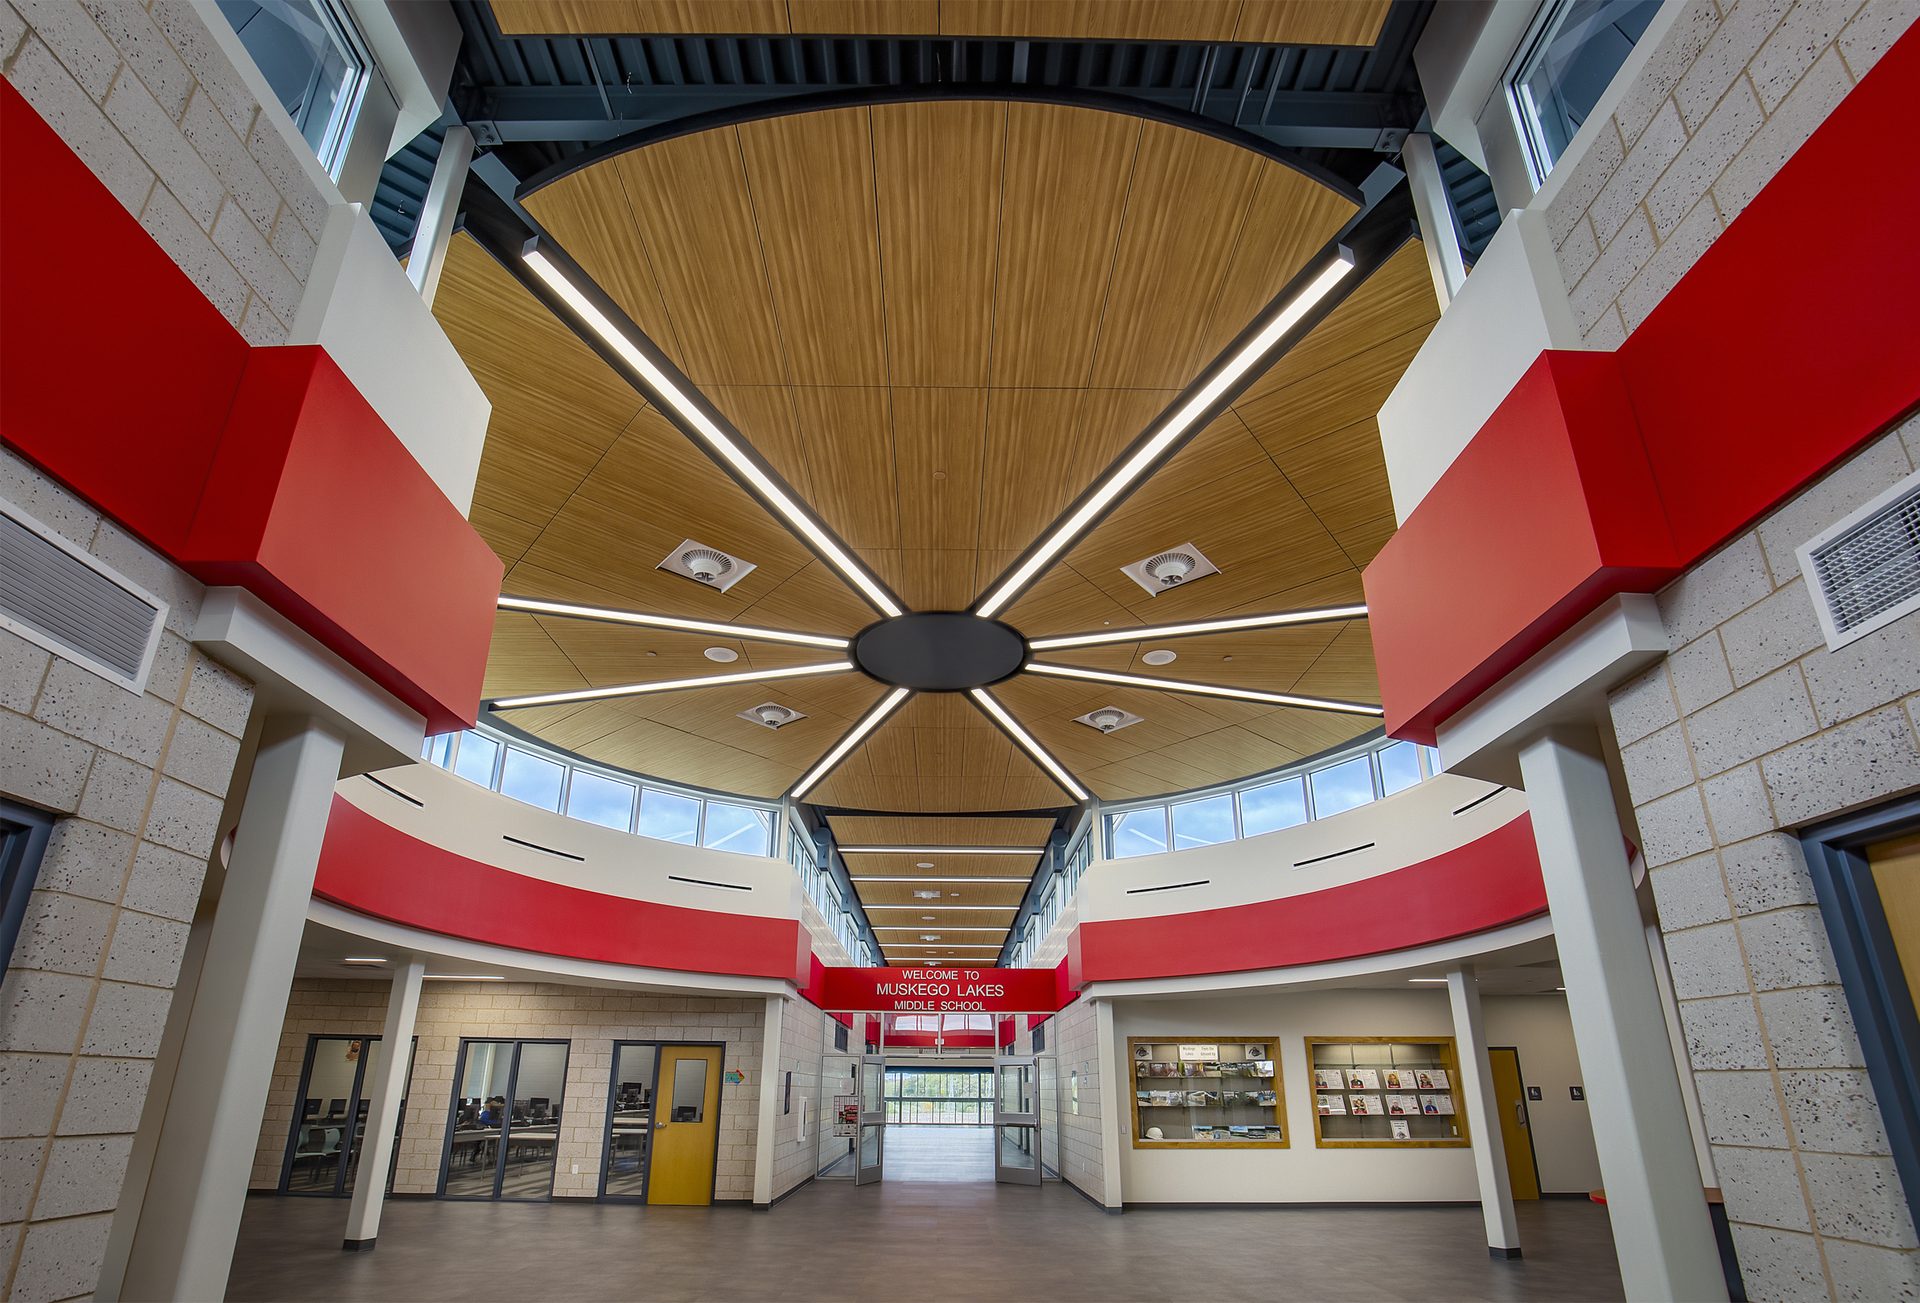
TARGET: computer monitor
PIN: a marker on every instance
(310, 1109)
(335, 1107)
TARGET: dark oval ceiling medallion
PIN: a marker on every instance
(939, 651)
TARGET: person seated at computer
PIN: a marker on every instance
(495, 1113)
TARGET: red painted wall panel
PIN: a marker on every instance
(1791, 342)
(116, 374)
(263, 468)
(1488, 883)
(1563, 441)
(374, 869)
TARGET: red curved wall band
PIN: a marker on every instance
(1489, 883)
(262, 468)
(1777, 354)
(371, 868)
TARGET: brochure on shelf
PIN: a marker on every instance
(1403, 1105)
(1437, 1105)
(1397, 1079)
(1328, 1079)
(1330, 1105)
(1363, 1079)
(1365, 1105)
(1432, 1079)
(1401, 1131)
(1222, 1092)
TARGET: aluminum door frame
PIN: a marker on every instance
(1004, 1173)
(873, 1117)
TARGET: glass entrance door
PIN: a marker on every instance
(504, 1132)
(330, 1122)
(1016, 1120)
(873, 1119)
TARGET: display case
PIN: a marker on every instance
(1206, 1093)
(1385, 1092)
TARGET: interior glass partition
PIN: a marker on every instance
(504, 1131)
(330, 1120)
(636, 1066)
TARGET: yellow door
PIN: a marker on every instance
(686, 1125)
(1896, 875)
(1515, 1134)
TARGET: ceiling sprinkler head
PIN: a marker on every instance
(706, 565)
(1170, 567)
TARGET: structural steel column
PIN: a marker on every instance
(1433, 210)
(1661, 1230)
(1483, 1114)
(191, 1216)
(435, 229)
(383, 1114)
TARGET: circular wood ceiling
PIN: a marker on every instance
(940, 322)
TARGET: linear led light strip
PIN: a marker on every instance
(1123, 476)
(868, 722)
(941, 850)
(928, 906)
(1319, 615)
(713, 436)
(1208, 689)
(751, 633)
(669, 685)
(907, 878)
(1029, 743)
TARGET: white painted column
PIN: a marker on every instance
(435, 231)
(1433, 210)
(1477, 1097)
(1661, 1231)
(1683, 1064)
(766, 1141)
(383, 1112)
(183, 1246)
(1113, 1107)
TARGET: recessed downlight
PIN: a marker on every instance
(924, 864)
(1161, 656)
(724, 655)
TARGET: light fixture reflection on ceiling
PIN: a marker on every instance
(1029, 744)
(868, 722)
(941, 850)
(719, 441)
(1208, 689)
(1196, 628)
(1129, 472)
(920, 877)
(668, 685)
(647, 620)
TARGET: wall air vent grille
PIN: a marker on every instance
(1173, 568)
(1864, 571)
(58, 597)
(707, 566)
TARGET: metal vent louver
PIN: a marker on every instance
(1864, 571)
(1172, 568)
(58, 597)
(707, 566)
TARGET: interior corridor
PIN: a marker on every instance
(938, 1153)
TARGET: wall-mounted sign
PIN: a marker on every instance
(736, 1076)
(1533, 1092)
(846, 1115)
(938, 990)
(1199, 1053)
(1578, 1092)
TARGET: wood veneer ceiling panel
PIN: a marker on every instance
(812, 179)
(901, 767)
(901, 893)
(952, 866)
(1288, 22)
(934, 830)
(939, 236)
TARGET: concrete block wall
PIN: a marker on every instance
(151, 103)
(1735, 88)
(1748, 729)
(803, 1039)
(138, 782)
(590, 1018)
(1074, 1037)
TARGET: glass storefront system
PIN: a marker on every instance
(330, 1115)
(939, 1096)
(504, 1129)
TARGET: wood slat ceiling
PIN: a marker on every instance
(951, 866)
(940, 322)
(1286, 22)
(935, 830)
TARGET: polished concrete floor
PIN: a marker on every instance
(937, 1153)
(835, 1241)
